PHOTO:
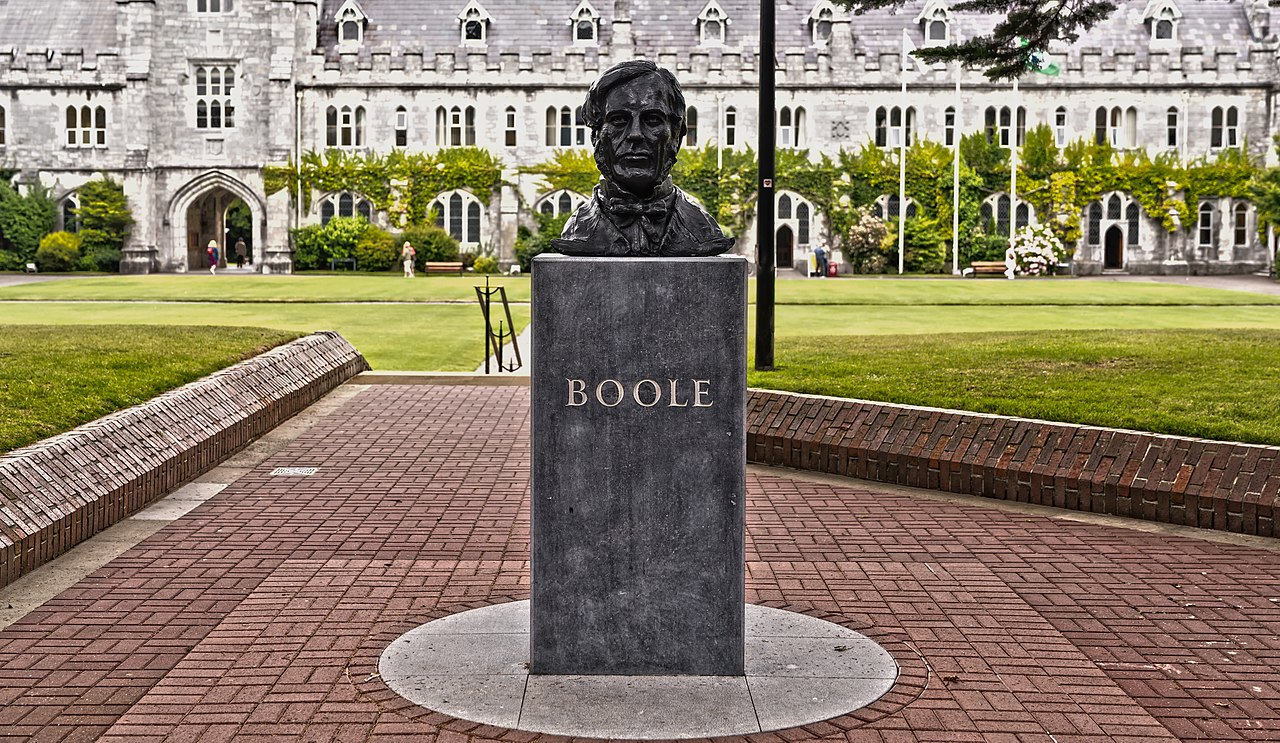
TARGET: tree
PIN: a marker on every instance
(24, 220)
(104, 223)
(1024, 28)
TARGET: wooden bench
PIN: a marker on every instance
(986, 268)
(430, 267)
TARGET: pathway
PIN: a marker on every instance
(261, 613)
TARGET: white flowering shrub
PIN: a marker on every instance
(1037, 250)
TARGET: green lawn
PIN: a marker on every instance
(1153, 356)
(1219, 384)
(55, 378)
(830, 320)
(989, 292)
(201, 287)
(391, 336)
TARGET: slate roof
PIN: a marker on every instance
(668, 25)
(62, 25)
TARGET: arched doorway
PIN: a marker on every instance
(214, 206)
(785, 247)
(1113, 255)
(207, 219)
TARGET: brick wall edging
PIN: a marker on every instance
(60, 491)
(1173, 479)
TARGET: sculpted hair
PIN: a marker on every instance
(625, 72)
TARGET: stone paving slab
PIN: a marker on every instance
(261, 613)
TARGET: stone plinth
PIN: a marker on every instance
(639, 465)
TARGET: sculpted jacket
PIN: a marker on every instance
(617, 224)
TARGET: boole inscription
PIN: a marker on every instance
(646, 393)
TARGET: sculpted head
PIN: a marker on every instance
(636, 114)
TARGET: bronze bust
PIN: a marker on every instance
(636, 113)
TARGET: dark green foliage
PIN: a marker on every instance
(98, 252)
(239, 227)
(315, 246)
(58, 251)
(988, 159)
(309, 251)
(977, 245)
(24, 219)
(530, 243)
(105, 219)
(1040, 153)
(376, 250)
(1022, 27)
(925, 251)
(431, 242)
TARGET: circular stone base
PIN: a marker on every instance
(800, 670)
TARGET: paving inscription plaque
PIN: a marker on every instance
(639, 398)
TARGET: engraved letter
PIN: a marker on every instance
(577, 393)
(600, 392)
(674, 402)
(657, 393)
(700, 388)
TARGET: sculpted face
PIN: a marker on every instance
(636, 136)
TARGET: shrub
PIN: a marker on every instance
(977, 245)
(863, 246)
(105, 219)
(530, 243)
(315, 246)
(309, 251)
(924, 251)
(432, 243)
(58, 251)
(485, 264)
(24, 220)
(1037, 250)
(376, 250)
(98, 252)
(342, 234)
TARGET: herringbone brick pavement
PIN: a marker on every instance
(260, 615)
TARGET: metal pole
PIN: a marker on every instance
(955, 182)
(765, 246)
(902, 172)
(1013, 169)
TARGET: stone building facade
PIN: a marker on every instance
(186, 101)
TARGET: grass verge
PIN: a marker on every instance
(391, 336)
(53, 378)
(315, 288)
(257, 288)
(1215, 384)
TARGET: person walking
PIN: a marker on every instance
(407, 255)
(212, 253)
(241, 251)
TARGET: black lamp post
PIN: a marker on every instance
(765, 250)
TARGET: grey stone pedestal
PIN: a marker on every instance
(639, 465)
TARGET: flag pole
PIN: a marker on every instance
(955, 182)
(1013, 171)
(902, 158)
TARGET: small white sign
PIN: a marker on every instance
(294, 471)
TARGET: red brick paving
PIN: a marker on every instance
(260, 615)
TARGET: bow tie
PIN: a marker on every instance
(626, 211)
